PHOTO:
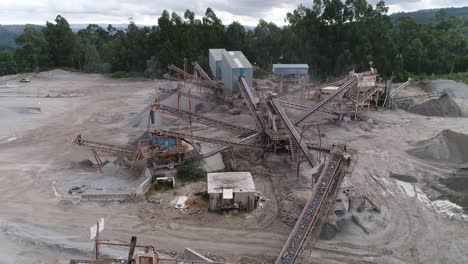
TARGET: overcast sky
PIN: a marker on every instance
(247, 12)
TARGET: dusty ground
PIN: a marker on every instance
(36, 150)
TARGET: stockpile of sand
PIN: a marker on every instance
(443, 106)
(447, 146)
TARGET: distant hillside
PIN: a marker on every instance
(429, 15)
(8, 34)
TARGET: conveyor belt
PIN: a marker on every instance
(337, 81)
(197, 97)
(293, 132)
(203, 120)
(107, 148)
(348, 84)
(164, 133)
(203, 73)
(305, 107)
(310, 214)
(213, 152)
(249, 98)
(192, 78)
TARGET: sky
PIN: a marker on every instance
(146, 12)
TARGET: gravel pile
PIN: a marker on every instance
(443, 106)
(447, 146)
(454, 89)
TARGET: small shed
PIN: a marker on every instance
(235, 65)
(290, 69)
(215, 57)
(231, 190)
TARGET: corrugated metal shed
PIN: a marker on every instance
(231, 190)
(215, 60)
(234, 65)
(290, 69)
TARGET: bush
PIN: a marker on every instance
(191, 168)
(122, 74)
(260, 73)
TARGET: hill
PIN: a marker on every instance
(429, 15)
(8, 35)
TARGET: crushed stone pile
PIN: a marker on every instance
(443, 106)
(454, 89)
(447, 146)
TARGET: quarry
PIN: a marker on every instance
(351, 170)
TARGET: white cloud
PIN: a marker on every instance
(247, 12)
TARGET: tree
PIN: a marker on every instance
(191, 168)
(235, 36)
(32, 51)
(7, 63)
(61, 42)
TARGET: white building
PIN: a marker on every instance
(231, 190)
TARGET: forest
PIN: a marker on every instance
(332, 36)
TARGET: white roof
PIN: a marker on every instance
(236, 181)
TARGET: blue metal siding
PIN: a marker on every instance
(289, 69)
(231, 71)
(215, 58)
(165, 141)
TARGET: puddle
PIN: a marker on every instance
(458, 186)
(405, 178)
(26, 110)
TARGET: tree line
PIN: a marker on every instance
(333, 37)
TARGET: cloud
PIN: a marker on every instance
(247, 12)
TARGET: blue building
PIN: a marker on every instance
(215, 57)
(234, 65)
(290, 69)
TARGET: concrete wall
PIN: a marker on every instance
(119, 197)
(246, 200)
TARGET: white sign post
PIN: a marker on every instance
(94, 228)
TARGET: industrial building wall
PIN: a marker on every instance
(246, 200)
(226, 72)
(290, 71)
(231, 75)
(214, 57)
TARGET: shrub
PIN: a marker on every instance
(191, 168)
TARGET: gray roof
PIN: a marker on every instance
(238, 181)
(236, 59)
(291, 66)
(216, 53)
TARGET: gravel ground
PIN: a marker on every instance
(412, 228)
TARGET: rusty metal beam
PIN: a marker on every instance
(165, 133)
(202, 119)
(348, 84)
(293, 132)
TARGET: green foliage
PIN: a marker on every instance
(191, 168)
(333, 37)
(7, 63)
(61, 42)
(430, 16)
(260, 73)
(458, 77)
(123, 74)
(32, 52)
